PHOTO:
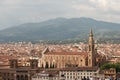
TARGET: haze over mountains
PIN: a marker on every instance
(61, 29)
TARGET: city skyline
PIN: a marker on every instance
(51, 40)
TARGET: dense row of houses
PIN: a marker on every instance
(60, 66)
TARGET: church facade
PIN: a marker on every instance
(51, 59)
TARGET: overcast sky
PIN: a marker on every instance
(15, 12)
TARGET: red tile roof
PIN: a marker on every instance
(79, 68)
(66, 53)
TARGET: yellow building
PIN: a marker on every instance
(110, 73)
(51, 59)
(63, 59)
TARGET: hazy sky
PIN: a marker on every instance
(15, 12)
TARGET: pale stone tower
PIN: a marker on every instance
(91, 50)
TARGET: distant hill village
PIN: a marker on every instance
(60, 65)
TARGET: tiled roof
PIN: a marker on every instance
(4, 60)
(117, 55)
(79, 68)
(66, 53)
(7, 57)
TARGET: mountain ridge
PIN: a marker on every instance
(60, 29)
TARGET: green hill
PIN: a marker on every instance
(61, 29)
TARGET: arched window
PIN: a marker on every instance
(22, 77)
(46, 65)
(81, 60)
(42, 65)
(26, 77)
(18, 77)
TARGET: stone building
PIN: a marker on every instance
(110, 74)
(46, 75)
(80, 73)
(88, 58)
(15, 72)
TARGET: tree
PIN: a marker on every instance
(111, 65)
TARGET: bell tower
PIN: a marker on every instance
(91, 50)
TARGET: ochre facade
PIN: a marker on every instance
(51, 59)
(63, 59)
(15, 72)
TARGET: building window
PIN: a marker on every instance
(67, 76)
(90, 73)
(81, 60)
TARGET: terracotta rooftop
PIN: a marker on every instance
(117, 55)
(66, 53)
(4, 60)
(80, 69)
(7, 57)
